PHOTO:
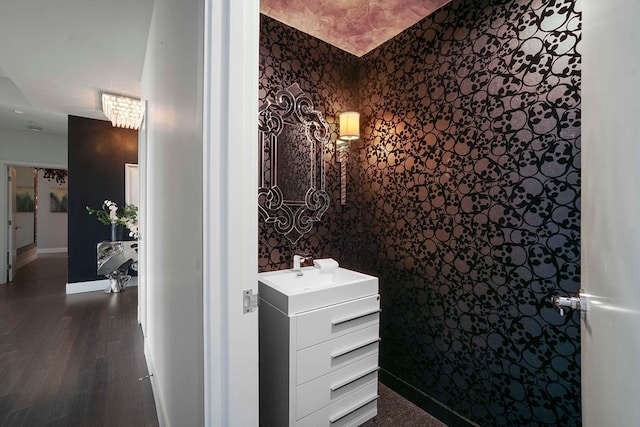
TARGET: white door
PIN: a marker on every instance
(142, 224)
(12, 225)
(610, 328)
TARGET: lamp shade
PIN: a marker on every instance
(349, 125)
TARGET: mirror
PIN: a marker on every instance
(292, 141)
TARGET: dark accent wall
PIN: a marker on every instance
(465, 200)
(97, 154)
(330, 77)
(471, 184)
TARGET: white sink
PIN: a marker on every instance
(291, 293)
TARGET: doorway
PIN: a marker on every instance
(37, 200)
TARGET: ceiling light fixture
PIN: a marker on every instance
(19, 112)
(123, 111)
(34, 128)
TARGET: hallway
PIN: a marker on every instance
(70, 360)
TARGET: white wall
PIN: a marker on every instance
(33, 147)
(52, 226)
(172, 85)
(25, 148)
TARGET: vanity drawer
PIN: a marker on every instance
(350, 411)
(325, 357)
(323, 324)
(331, 387)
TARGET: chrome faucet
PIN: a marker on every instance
(297, 261)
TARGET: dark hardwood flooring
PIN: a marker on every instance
(70, 360)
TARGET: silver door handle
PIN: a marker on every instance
(566, 303)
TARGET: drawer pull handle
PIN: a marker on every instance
(354, 379)
(356, 317)
(351, 411)
(352, 349)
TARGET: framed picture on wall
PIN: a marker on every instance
(58, 200)
(25, 199)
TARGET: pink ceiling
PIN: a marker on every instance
(356, 26)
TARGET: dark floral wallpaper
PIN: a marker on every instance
(464, 198)
(471, 185)
(330, 77)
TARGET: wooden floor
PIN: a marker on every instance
(70, 360)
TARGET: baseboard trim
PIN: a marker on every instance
(155, 388)
(25, 258)
(51, 250)
(94, 285)
(424, 401)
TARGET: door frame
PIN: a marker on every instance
(142, 221)
(4, 164)
(132, 188)
(230, 211)
(11, 228)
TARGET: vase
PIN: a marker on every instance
(117, 232)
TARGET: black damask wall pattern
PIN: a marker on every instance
(329, 76)
(464, 199)
(471, 190)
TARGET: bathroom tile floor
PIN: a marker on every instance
(395, 411)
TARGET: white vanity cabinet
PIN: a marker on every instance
(319, 367)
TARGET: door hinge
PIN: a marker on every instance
(249, 301)
(10, 267)
(9, 222)
(10, 178)
(146, 377)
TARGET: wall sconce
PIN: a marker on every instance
(123, 111)
(349, 131)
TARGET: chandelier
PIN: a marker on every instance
(123, 111)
